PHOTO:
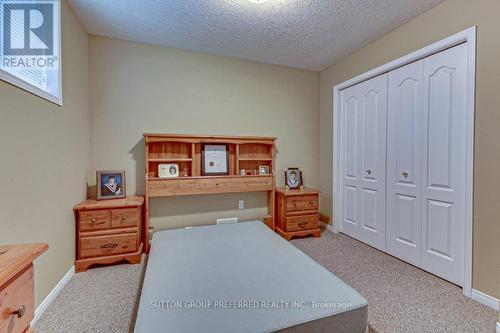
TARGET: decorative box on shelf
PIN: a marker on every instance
(297, 213)
(109, 231)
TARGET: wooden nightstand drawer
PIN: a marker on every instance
(303, 222)
(94, 220)
(129, 217)
(298, 203)
(17, 296)
(108, 245)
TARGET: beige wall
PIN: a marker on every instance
(444, 20)
(45, 157)
(139, 88)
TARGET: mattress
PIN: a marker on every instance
(241, 277)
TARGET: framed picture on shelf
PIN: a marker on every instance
(293, 179)
(111, 184)
(263, 170)
(214, 159)
(168, 170)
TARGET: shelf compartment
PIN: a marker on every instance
(161, 187)
(170, 151)
(253, 165)
(185, 169)
(255, 151)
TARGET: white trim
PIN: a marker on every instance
(327, 226)
(17, 82)
(469, 167)
(498, 327)
(468, 36)
(485, 299)
(52, 295)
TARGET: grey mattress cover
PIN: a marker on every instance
(195, 278)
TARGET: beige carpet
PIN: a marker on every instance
(401, 298)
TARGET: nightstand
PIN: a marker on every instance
(297, 213)
(108, 231)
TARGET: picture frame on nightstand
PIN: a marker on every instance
(294, 179)
(111, 184)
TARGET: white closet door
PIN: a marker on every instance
(350, 179)
(364, 109)
(404, 151)
(443, 161)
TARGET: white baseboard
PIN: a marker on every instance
(485, 299)
(52, 295)
(327, 226)
(498, 327)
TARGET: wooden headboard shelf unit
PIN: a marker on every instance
(245, 152)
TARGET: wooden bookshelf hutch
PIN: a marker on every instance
(244, 153)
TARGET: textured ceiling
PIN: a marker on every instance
(297, 33)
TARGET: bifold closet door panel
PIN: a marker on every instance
(350, 114)
(404, 151)
(443, 160)
(364, 112)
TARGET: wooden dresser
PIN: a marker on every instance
(109, 231)
(297, 213)
(17, 302)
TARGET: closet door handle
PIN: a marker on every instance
(369, 171)
(405, 174)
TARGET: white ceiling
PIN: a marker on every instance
(297, 33)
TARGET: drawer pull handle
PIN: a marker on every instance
(20, 312)
(124, 217)
(302, 224)
(93, 221)
(109, 246)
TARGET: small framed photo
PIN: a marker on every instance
(168, 170)
(263, 169)
(293, 179)
(111, 184)
(214, 159)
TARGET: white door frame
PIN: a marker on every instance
(468, 36)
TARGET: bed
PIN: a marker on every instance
(241, 277)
